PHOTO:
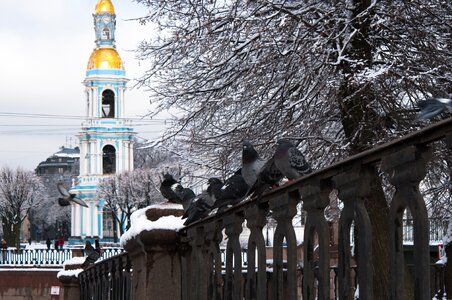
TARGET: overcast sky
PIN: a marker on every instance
(44, 50)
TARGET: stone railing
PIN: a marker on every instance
(187, 262)
(110, 279)
(404, 162)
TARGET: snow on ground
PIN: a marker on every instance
(30, 269)
(140, 222)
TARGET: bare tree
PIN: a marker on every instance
(19, 191)
(339, 76)
(126, 192)
(145, 187)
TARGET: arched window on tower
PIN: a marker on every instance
(108, 104)
(108, 160)
(105, 33)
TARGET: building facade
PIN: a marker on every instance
(62, 166)
(106, 138)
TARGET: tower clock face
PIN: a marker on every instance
(106, 19)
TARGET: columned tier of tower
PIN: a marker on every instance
(105, 99)
(98, 134)
(86, 222)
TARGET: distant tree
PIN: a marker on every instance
(148, 157)
(51, 218)
(126, 192)
(20, 190)
(339, 76)
(145, 187)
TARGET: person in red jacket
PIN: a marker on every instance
(60, 242)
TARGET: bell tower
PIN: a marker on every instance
(106, 137)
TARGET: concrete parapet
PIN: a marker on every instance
(154, 252)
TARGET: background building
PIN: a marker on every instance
(60, 166)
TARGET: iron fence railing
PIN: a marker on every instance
(45, 257)
(437, 229)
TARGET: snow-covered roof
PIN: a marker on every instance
(68, 152)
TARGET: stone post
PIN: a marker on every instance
(71, 287)
(155, 256)
(69, 280)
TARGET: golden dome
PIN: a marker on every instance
(104, 58)
(104, 6)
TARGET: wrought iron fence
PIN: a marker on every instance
(437, 229)
(404, 161)
(45, 257)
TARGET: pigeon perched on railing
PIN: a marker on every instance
(290, 161)
(214, 186)
(185, 195)
(91, 255)
(174, 192)
(269, 177)
(198, 209)
(252, 163)
(68, 197)
(432, 107)
(98, 249)
(167, 189)
(232, 192)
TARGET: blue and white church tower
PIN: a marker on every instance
(106, 137)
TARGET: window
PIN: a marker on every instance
(109, 160)
(107, 223)
(105, 34)
(108, 104)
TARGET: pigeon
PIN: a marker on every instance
(290, 161)
(185, 195)
(198, 209)
(232, 192)
(167, 188)
(432, 107)
(174, 192)
(214, 188)
(68, 197)
(251, 163)
(269, 177)
(91, 255)
(98, 249)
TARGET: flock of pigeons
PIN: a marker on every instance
(256, 176)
